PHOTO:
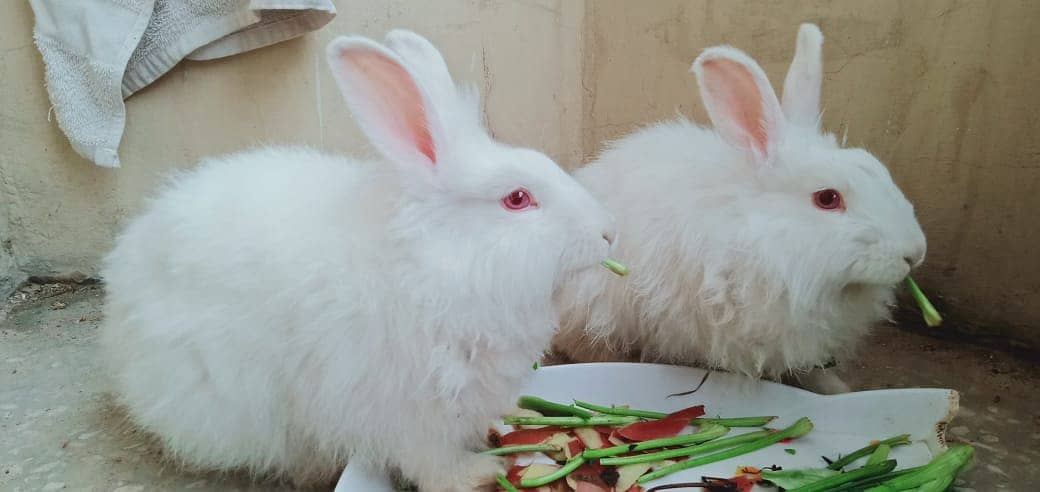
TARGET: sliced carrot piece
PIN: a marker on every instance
(628, 475)
(615, 439)
(590, 438)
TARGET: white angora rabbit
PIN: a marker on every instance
(760, 246)
(284, 311)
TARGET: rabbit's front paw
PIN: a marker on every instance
(481, 472)
(474, 473)
(823, 381)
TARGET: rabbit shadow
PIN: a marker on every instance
(139, 455)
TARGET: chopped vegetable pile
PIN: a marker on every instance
(595, 448)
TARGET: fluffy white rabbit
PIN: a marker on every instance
(283, 311)
(762, 246)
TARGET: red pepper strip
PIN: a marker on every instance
(669, 426)
(745, 483)
(653, 429)
(514, 474)
(527, 436)
(590, 472)
(687, 413)
(591, 487)
(575, 446)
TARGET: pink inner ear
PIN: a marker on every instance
(736, 94)
(397, 96)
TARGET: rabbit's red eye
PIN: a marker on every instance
(518, 199)
(829, 199)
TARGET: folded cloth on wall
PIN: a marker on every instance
(98, 52)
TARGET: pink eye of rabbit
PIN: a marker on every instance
(829, 199)
(518, 199)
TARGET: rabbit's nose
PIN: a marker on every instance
(915, 258)
(608, 230)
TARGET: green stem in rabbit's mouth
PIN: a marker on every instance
(615, 267)
(931, 315)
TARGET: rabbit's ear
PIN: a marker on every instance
(426, 62)
(739, 99)
(801, 99)
(391, 106)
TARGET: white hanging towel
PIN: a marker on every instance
(98, 52)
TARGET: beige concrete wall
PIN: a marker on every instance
(10, 275)
(946, 92)
(62, 211)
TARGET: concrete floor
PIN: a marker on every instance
(57, 432)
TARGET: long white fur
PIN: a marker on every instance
(731, 264)
(283, 311)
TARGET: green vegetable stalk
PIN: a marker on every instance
(931, 315)
(792, 479)
(942, 467)
(687, 451)
(937, 485)
(551, 408)
(840, 463)
(563, 471)
(522, 448)
(880, 454)
(829, 483)
(505, 484)
(735, 421)
(631, 412)
(707, 433)
(799, 428)
(650, 414)
(788, 478)
(569, 421)
(620, 410)
(865, 483)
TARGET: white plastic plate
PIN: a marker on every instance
(842, 422)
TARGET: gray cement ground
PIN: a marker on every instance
(57, 432)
